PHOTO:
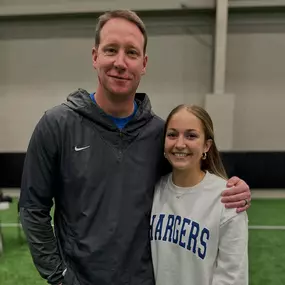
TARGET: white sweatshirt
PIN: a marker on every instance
(195, 240)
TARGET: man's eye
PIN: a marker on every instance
(132, 53)
(110, 50)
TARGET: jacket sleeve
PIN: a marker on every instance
(36, 200)
(232, 260)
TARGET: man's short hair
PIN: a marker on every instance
(128, 15)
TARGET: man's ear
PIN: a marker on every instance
(144, 64)
(94, 57)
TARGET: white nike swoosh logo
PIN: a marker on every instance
(81, 148)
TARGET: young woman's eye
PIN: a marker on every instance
(191, 136)
(171, 135)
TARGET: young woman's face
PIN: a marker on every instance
(185, 141)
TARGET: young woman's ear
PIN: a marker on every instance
(208, 145)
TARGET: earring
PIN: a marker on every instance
(204, 155)
(164, 154)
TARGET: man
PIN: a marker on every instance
(98, 156)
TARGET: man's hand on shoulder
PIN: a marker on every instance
(239, 196)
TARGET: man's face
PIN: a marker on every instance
(119, 59)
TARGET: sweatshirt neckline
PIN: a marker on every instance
(184, 190)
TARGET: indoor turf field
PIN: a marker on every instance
(266, 246)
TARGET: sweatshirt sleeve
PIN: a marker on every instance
(36, 200)
(232, 260)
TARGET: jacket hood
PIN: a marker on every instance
(80, 102)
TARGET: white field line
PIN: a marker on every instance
(282, 228)
(10, 225)
(260, 227)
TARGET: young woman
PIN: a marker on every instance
(195, 240)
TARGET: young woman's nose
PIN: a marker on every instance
(180, 143)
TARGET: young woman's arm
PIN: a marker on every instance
(232, 259)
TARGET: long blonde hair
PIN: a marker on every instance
(213, 162)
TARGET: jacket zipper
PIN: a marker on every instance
(120, 152)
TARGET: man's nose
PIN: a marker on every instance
(120, 60)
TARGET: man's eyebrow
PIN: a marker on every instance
(110, 44)
(130, 45)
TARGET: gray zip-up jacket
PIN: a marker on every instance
(101, 180)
